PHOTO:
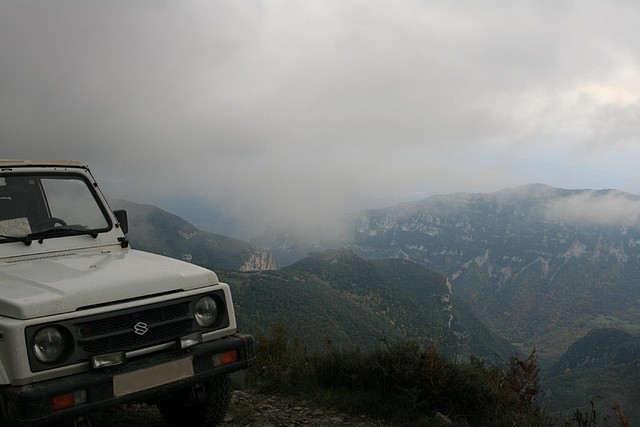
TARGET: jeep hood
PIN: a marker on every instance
(57, 283)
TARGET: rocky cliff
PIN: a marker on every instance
(259, 260)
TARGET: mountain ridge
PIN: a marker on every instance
(155, 230)
(540, 264)
(535, 261)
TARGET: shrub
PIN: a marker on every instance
(402, 382)
(590, 418)
(281, 361)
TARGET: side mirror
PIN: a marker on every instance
(121, 216)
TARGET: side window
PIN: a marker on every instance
(14, 208)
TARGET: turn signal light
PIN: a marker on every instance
(225, 358)
(68, 400)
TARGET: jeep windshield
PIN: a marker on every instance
(38, 207)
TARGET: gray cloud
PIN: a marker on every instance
(597, 208)
(300, 109)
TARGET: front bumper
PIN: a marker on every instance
(143, 379)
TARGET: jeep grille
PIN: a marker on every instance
(118, 333)
(129, 330)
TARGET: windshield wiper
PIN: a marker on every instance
(24, 239)
(62, 232)
(52, 232)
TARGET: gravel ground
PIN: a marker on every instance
(247, 409)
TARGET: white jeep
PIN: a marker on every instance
(87, 323)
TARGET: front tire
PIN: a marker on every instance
(210, 410)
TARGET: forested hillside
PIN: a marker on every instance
(339, 298)
(603, 367)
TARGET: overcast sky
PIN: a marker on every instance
(293, 109)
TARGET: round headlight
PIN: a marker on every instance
(49, 344)
(206, 311)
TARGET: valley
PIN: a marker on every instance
(488, 274)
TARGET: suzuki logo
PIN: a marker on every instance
(140, 328)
